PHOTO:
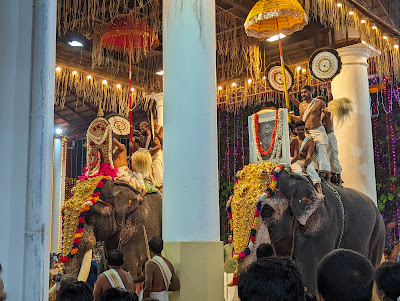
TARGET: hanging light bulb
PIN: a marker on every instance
(374, 27)
(233, 84)
(118, 86)
(396, 46)
(339, 5)
(132, 89)
(298, 68)
(89, 77)
(249, 81)
(74, 72)
(385, 37)
(220, 88)
(351, 13)
(264, 77)
(363, 21)
(58, 69)
(104, 82)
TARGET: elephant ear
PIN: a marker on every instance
(125, 201)
(303, 197)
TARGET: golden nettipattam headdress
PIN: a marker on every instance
(252, 181)
(99, 144)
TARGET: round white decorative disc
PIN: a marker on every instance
(275, 78)
(120, 125)
(325, 64)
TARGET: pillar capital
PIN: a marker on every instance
(357, 54)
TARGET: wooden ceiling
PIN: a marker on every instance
(75, 116)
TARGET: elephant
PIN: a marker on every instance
(301, 224)
(118, 219)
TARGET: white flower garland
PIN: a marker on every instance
(258, 155)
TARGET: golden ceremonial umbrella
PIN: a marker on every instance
(274, 17)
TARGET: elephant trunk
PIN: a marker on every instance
(83, 257)
(262, 237)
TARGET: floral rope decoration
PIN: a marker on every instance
(256, 130)
(270, 191)
(81, 220)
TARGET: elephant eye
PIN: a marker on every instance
(243, 190)
(262, 173)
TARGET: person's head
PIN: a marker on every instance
(65, 281)
(156, 245)
(100, 249)
(387, 278)
(118, 294)
(53, 264)
(300, 128)
(306, 92)
(344, 275)
(144, 128)
(76, 291)
(271, 279)
(115, 258)
(230, 238)
(264, 251)
(387, 254)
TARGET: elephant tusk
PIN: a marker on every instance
(85, 267)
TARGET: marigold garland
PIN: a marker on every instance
(270, 193)
(256, 129)
(81, 220)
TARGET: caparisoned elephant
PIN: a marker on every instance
(301, 225)
(118, 219)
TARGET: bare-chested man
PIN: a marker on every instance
(160, 276)
(303, 149)
(333, 151)
(114, 277)
(124, 174)
(311, 112)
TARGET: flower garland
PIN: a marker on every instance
(277, 150)
(270, 191)
(81, 219)
(256, 130)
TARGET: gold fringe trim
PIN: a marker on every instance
(106, 96)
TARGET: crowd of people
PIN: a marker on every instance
(115, 283)
(343, 275)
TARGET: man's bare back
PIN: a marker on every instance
(102, 283)
(119, 154)
(154, 280)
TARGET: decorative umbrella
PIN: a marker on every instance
(126, 35)
(270, 17)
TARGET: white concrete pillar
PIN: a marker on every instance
(26, 120)
(190, 198)
(58, 193)
(159, 97)
(356, 152)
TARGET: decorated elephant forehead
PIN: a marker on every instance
(98, 126)
(252, 181)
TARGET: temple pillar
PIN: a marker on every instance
(26, 120)
(159, 97)
(355, 143)
(190, 196)
(58, 193)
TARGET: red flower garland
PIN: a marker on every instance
(256, 129)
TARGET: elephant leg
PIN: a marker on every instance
(308, 252)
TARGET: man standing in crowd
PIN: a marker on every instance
(311, 113)
(160, 276)
(230, 292)
(114, 277)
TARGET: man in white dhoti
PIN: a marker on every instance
(333, 151)
(114, 277)
(303, 148)
(160, 276)
(311, 112)
(154, 147)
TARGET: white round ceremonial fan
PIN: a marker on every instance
(325, 64)
(275, 78)
(120, 125)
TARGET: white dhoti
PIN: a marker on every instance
(160, 296)
(135, 179)
(230, 292)
(156, 175)
(321, 143)
(333, 154)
